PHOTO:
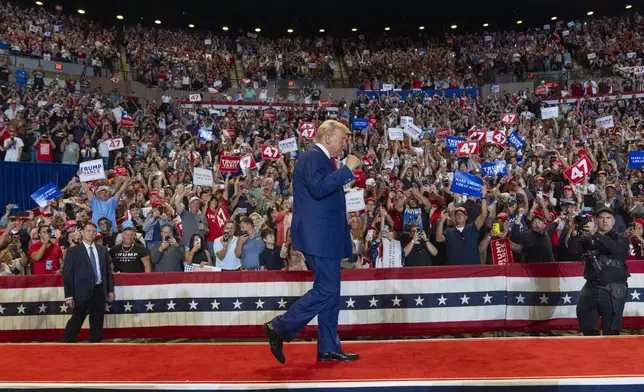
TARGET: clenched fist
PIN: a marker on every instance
(353, 162)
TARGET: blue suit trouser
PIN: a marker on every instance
(322, 300)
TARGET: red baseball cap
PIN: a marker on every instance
(461, 209)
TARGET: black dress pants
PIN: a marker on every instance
(605, 302)
(95, 308)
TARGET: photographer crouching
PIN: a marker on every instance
(604, 253)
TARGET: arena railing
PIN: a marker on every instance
(375, 302)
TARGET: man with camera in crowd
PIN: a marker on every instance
(46, 256)
(419, 251)
(249, 245)
(167, 256)
(224, 248)
(605, 271)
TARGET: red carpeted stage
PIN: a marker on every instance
(496, 364)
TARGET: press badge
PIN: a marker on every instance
(49, 265)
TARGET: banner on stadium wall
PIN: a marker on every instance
(404, 94)
(573, 100)
(222, 107)
(380, 301)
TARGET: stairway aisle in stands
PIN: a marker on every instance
(338, 77)
(126, 78)
(237, 73)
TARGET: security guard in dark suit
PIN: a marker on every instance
(605, 291)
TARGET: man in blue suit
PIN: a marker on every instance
(320, 231)
(88, 282)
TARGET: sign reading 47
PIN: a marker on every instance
(579, 170)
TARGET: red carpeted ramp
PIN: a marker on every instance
(497, 364)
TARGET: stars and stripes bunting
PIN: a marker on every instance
(387, 302)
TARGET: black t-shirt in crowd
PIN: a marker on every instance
(4, 74)
(128, 259)
(270, 259)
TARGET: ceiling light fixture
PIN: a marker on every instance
(589, 13)
(157, 21)
(453, 26)
(519, 21)
(39, 3)
(224, 28)
(119, 17)
(290, 31)
(321, 30)
(421, 28)
(81, 12)
(629, 6)
(486, 24)
(553, 18)
(257, 30)
(354, 29)
(191, 26)
(387, 28)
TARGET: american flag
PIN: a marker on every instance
(375, 302)
(126, 121)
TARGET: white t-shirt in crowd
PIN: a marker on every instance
(11, 146)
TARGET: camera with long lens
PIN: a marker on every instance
(579, 222)
(593, 257)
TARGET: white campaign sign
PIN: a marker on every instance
(115, 144)
(91, 171)
(202, 177)
(355, 200)
(194, 97)
(547, 113)
(413, 131)
(605, 122)
(288, 145)
(591, 56)
(387, 87)
(396, 134)
(404, 120)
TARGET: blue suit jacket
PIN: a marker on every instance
(319, 226)
(78, 274)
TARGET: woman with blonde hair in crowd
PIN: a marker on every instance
(293, 260)
(357, 232)
(258, 222)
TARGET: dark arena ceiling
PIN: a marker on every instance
(338, 18)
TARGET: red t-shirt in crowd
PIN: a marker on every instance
(44, 151)
(49, 263)
(215, 231)
(4, 135)
(396, 217)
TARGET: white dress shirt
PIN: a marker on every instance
(324, 150)
(98, 264)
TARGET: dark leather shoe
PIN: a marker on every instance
(337, 357)
(276, 342)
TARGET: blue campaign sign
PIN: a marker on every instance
(466, 184)
(498, 168)
(635, 159)
(47, 193)
(452, 141)
(360, 123)
(516, 140)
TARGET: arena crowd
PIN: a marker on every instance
(153, 218)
